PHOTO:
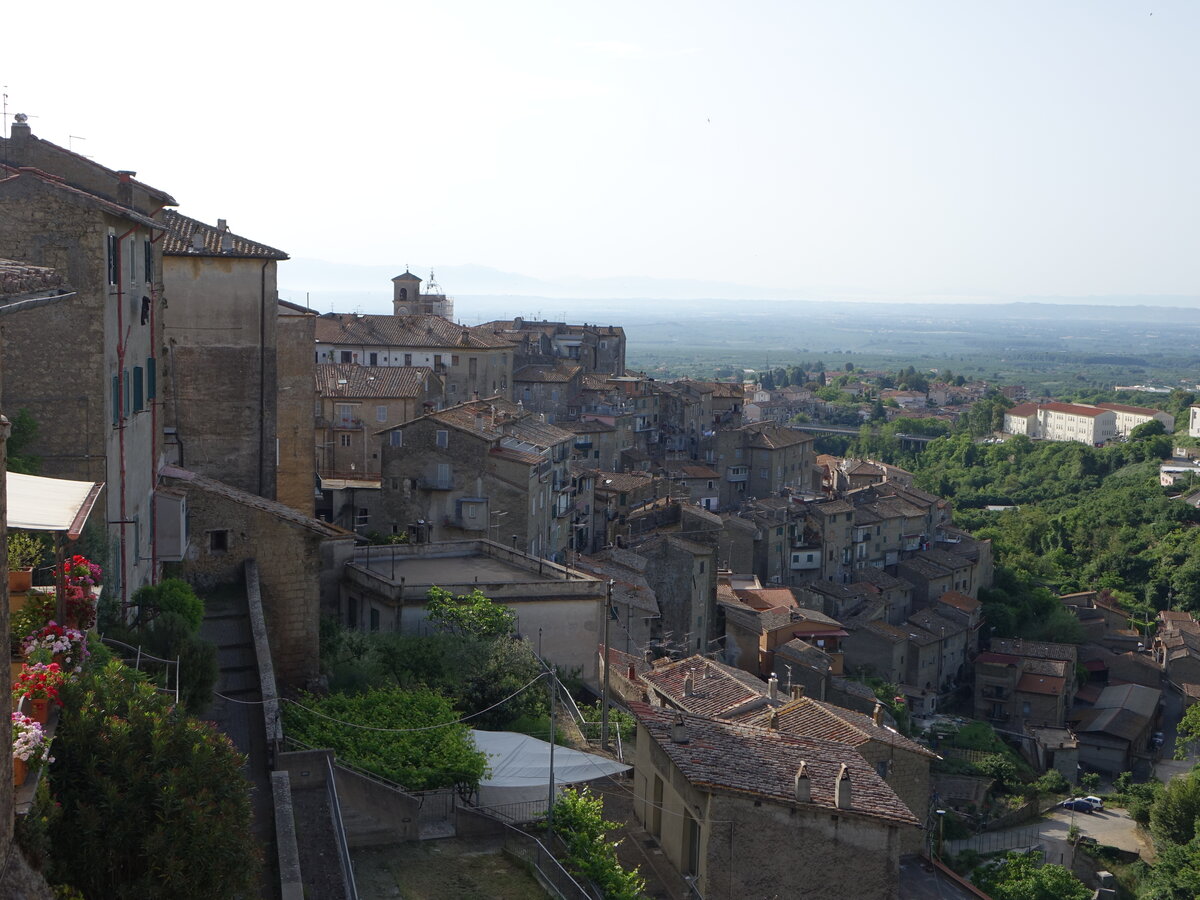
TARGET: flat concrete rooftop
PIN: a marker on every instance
(450, 570)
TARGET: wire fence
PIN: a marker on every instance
(997, 841)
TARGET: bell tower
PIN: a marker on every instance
(406, 294)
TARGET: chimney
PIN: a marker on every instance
(877, 713)
(797, 691)
(226, 237)
(125, 187)
(841, 791)
(773, 720)
(689, 685)
(197, 240)
(20, 128)
(773, 687)
(679, 731)
(803, 784)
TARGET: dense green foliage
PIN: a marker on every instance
(405, 736)
(579, 821)
(167, 626)
(24, 431)
(471, 615)
(1021, 877)
(153, 803)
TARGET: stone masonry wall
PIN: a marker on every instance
(295, 475)
(288, 559)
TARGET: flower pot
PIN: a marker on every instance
(39, 710)
(20, 580)
(20, 771)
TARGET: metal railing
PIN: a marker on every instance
(343, 846)
(554, 877)
(136, 661)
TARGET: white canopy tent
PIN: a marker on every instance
(50, 504)
(520, 770)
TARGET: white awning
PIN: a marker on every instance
(50, 504)
(520, 767)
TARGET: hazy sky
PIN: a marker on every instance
(891, 148)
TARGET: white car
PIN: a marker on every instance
(1096, 802)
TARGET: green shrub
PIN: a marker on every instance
(579, 821)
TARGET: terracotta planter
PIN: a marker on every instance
(20, 580)
(20, 771)
(39, 710)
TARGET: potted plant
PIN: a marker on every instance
(38, 610)
(30, 747)
(67, 646)
(24, 552)
(38, 684)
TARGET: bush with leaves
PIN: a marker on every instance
(469, 615)
(153, 803)
(393, 733)
(579, 821)
(1052, 782)
(1022, 877)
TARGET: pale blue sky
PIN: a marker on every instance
(878, 149)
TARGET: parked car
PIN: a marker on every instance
(1157, 740)
(1095, 801)
(1078, 804)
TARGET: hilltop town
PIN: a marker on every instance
(794, 640)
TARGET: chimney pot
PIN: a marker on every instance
(797, 691)
(689, 685)
(803, 784)
(679, 731)
(877, 713)
(841, 791)
(773, 687)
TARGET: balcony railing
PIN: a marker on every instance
(737, 473)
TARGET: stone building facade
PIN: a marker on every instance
(221, 380)
(295, 473)
(228, 526)
(95, 226)
(745, 811)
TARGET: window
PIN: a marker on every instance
(116, 399)
(344, 440)
(374, 619)
(139, 396)
(881, 768)
(148, 259)
(443, 438)
(381, 414)
(471, 510)
(114, 269)
(472, 366)
(396, 438)
(346, 356)
(151, 378)
(218, 541)
(454, 359)
(125, 394)
(443, 473)
(408, 359)
(437, 360)
(374, 357)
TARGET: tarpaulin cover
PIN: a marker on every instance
(49, 504)
(520, 767)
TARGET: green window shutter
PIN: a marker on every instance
(116, 399)
(139, 402)
(151, 378)
(125, 393)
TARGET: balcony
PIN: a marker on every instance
(435, 484)
(737, 473)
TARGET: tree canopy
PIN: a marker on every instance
(1022, 877)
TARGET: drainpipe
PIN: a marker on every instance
(262, 374)
(121, 411)
(154, 297)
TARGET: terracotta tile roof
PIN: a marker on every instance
(495, 419)
(190, 237)
(1136, 410)
(762, 764)
(717, 689)
(622, 482)
(400, 331)
(1022, 410)
(807, 717)
(191, 480)
(766, 598)
(1003, 659)
(547, 374)
(698, 472)
(588, 427)
(959, 601)
(1073, 409)
(769, 436)
(349, 381)
(18, 278)
(1041, 684)
(12, 176)
(1035, 649)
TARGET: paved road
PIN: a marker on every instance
(1108, 826)
(1167, 768)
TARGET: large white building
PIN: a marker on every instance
(1130, 417)
(1194, 422)
(1091, 425)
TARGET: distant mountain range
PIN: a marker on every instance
(483, 293)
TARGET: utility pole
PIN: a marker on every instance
(550, 803)
(604, 698)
